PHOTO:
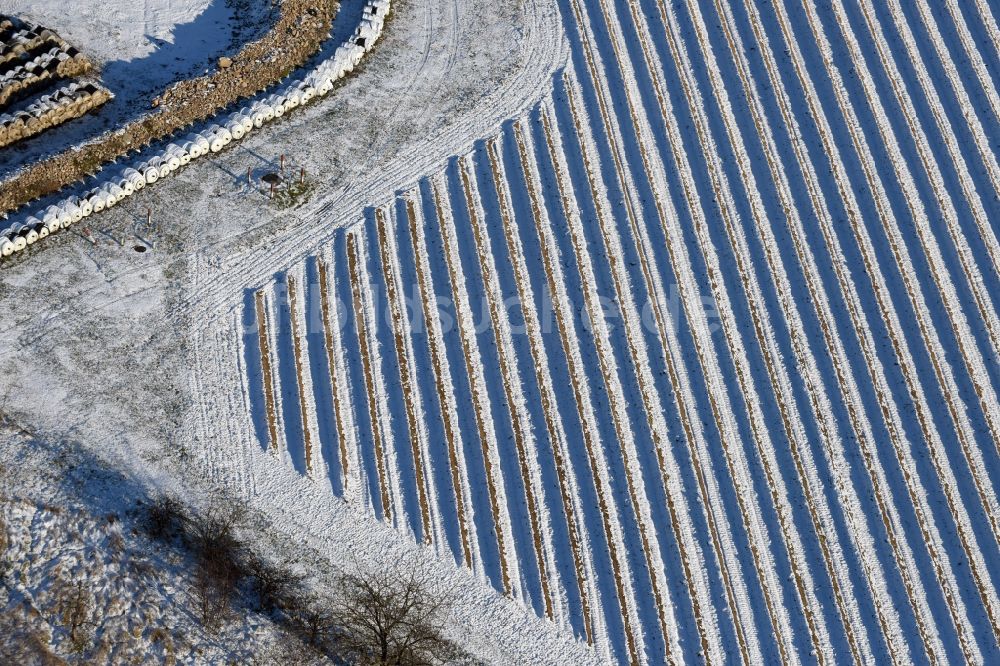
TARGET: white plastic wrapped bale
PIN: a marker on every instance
(162, 166)
(235, 129)
(19, 241)
(96, 199)
(193, 150)
(357, 53)
(367, 32)
(137, 179)
(259, 117)
(174, 155)
(201, 142)
(72, 208)
(64, 216)
(221, 133)
(149, 171)
(277, 104)
(307, 90)
(264, 109)
(126, 185)
(7, 246)
(218, 137)
(343, 59)
(86, 207)
(110, 191)
(26, 234)
(168, 160)
(50, 220)
(245, 117)
(324, 84)
(341, 62)
(40, 227)
(293, 97)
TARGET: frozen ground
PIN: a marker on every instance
(122, 347)
(64, 522)
(735, 398)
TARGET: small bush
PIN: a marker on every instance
(220, 557)
(276, 587)
(165, 519)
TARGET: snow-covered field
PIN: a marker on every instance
(670, 328)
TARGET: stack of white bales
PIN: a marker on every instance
(114, 186)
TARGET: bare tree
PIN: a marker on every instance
(391, 618)
(165, 518)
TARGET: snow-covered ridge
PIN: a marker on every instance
(800, 473)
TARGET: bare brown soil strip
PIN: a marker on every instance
(297, 352)
(563, 318)
(881, 494)
(980, 578)
(450, 428)
(545, 392)
(331, 359)
(366, 362)
(885, 309)
(267, 375)
(464, 333)
(482, 252)
(389, 274)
